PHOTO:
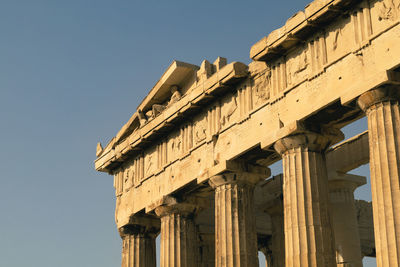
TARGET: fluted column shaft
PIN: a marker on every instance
(382, 110)
(178, 237)
(309, 239)
(235, 230)
(344, 219)
(138, 247)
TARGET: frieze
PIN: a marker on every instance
(298, 66)
(340, 39)
(200, 128)
(384, 13)
(174, 146)
(150, 161)
(229, 110)
(261, 88)
(388, 10)
(128, 174)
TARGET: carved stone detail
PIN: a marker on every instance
(262, 87)
(228, 110)
(149, 164)
(200, 130)
(128, 177)
(339, 38)
(388, 10)
(175, 146)
(297, 65)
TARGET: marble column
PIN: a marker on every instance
(235, 229)
(138, 246)
(344, 218)
(178, 235)
(309, 240)
(382, 109)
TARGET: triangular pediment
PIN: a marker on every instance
(178, 73)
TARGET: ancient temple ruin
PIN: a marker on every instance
(192, 163)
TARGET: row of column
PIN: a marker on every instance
(318, 231)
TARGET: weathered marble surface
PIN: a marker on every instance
(334, 62)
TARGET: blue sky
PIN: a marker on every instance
(71, 74)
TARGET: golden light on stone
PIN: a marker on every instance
(192, 162)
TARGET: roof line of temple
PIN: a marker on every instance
(298, 27)
(180, 89)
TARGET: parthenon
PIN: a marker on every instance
(192, 163)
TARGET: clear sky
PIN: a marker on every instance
(71, 74)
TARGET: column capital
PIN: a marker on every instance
(184, 209)
(236, 178)
(314, 141)
(131, 229)
(378, 95)
(141, 224)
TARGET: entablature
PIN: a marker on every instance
(299, 27)
(137, 138)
